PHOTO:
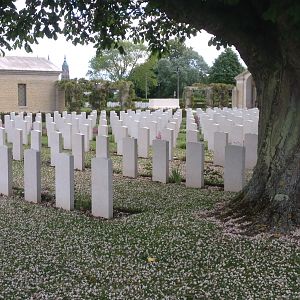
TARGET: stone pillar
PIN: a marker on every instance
(130, 157)
(168, 135)
(234, 169)
(36, 140)
(160, 161)
(56, 146)
(102, 194)
(143, 142)
(250, 143)
(102, 146)
(6, 171)
(32, 175)
(220, 142)
(78, 151)
(18, 144)
(195, 165)
(64, 181)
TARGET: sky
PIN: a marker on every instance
(78, 56)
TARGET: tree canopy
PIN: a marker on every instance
(181, 64)
(266, 34)
(225, 68)
(112, 65)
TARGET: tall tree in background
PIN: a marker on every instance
(113, 65)
(180, 65)
(225, 68)
(144, 77)
(266, 34)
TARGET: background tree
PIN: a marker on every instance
(180, 61)
(113, 65)
(266, 34)
(225, 68)
(144, 75)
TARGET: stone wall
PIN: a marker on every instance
(41, 92)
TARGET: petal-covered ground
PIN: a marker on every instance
(157, 246)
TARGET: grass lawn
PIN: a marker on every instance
(156, 247)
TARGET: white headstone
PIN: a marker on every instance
(192, 136)
(78, 150)
(36, 140)
(6, 171)
(102, 200)
(234, 169)
(2, 137)
(103, 130)
(18, 144)
(250, 143)
(102, 146)
(130, 157)
(64, 181)
(56, 146)
(167, 134)
(32, 175)
(195, 164)
(143, 141)
(220, 142)
(160, 161)
(67, 136)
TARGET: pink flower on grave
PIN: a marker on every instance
(158, 137)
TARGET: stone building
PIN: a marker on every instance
(244, 93)
(29, 84)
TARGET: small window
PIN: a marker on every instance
(22, 101)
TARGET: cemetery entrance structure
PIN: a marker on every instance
(29, 84)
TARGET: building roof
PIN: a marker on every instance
(27, 64)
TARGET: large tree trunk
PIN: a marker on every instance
(271, 50)
(272, 197)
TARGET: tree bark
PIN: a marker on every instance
(271, 51)
(272, 197)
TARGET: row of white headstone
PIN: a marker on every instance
(64, 178)
(233, 140)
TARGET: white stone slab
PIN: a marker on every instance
(78, 151)
(32, 175)
(64, 181)
(18, 144)
(160, 161)
(192, 136)
(36, 140)
(167, 134)
(220, 142)
(56, 146)
(2, 137)
(103, 130)
(67, 136)
(102, 146)
(130, 157)
(250, 143)
(143, 141)
(234, 169)
(6, 171)
(102, 193)
(195, 164)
